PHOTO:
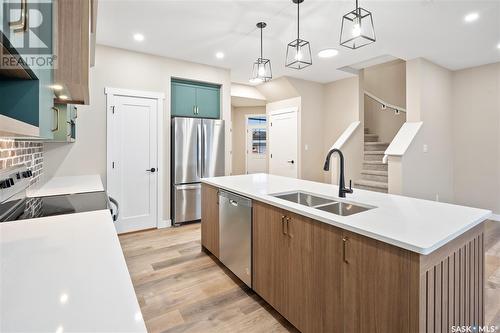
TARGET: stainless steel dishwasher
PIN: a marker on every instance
(235, 234)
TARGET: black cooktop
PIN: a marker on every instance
(28, 208)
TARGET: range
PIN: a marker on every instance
(15, 205)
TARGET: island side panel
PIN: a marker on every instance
(210, 219)
(451, 284)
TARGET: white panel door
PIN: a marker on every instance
(256, 145)
(135, 163)
(283, 136)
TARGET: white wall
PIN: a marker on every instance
(341, 108)
(476, 136)
(388, 82)
(429, 175)
(119, 68)
(239, 136)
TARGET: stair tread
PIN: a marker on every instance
(371, 183)
(375, 172)
(371, 134)
(373, 162)
(374, 152)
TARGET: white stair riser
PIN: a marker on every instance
(382, 146)
(377, 178)
(378, 167)
(369, 138)
(374, 157)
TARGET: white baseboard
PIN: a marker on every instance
(164, 224)
(495, 217)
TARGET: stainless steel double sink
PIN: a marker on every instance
(325, 204)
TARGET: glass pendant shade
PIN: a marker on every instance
(298, 51)
(357, 28)
(261, 71)
(298, 54)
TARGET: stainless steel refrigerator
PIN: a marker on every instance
(197, 152)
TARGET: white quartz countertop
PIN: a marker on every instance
(66, 185)
(65, 274)
(417, 225)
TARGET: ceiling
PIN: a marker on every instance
(196, 30)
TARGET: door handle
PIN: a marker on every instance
(283, 224)
(151, 170)
(345, 240)
(56, 112)
(288, 227)
(290, 161)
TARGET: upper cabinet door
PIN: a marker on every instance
(208, 102)
(183, 100)
(74, 49)
(198, 100)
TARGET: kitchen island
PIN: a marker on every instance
(401, 265)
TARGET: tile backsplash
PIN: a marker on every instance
(16, 152)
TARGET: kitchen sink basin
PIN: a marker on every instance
(303, 198)
(325, 204)
(342, 208)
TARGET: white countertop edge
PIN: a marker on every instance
(308, 212)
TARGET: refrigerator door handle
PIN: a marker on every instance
(203, 148)
(198, 151)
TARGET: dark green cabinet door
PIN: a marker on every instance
(208, 102)
(183, 100)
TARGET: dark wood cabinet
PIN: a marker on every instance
(210, 219)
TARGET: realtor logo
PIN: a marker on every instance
(28, 26)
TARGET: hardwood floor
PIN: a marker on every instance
(182, 289)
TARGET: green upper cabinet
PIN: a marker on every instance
(183, 100)
(208, 102)
(191, 99)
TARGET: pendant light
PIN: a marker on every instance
(298, 51)
(261, 71)
(357, 28)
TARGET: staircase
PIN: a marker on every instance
(374, 173)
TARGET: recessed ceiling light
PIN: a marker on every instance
(219, 55)
(498, 46)
(139, 37)
(327, 53)
(471, 17)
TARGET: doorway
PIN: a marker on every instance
(283, 143)
(134, 140)
(256, 144)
